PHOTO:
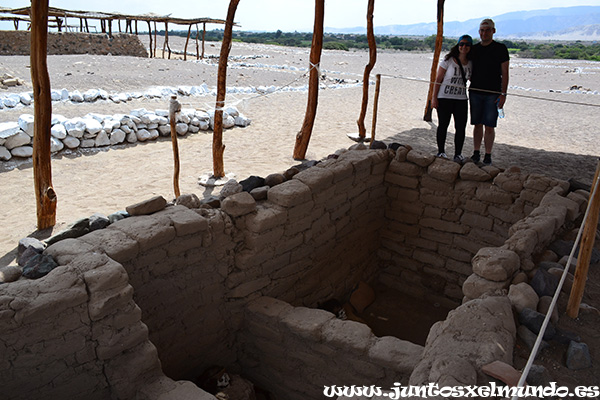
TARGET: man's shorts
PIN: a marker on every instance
(484, 109)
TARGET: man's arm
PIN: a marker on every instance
(502, 98)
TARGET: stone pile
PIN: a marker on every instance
(96, 130)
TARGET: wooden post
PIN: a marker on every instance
(197, 48)
(375, 106)
(174, 108)
(166, 41)
(436, 58)
(186, 43)
(110, 28)
(155, 39)
(368, 69)
(42, 103)
(585, 249)
(218, 147)
(203, 38)
(150, 34)
(303, 137)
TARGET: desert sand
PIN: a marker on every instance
(544, 130)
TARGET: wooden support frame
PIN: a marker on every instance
(375, 107)
(585, 249)
(187, 40)
(303, 137)
(436, 58)
(45, 195)
(174, 108)
(218, 147)
(368, 68)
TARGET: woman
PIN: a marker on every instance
(450, 96)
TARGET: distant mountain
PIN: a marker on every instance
(561, 23)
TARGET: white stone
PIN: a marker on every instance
(76, 96)
(12, 100)
(183, 117)
(26, 123)
(232, 110)
(23, 151)
(185, 90)
(71, 142)
(75, 127)
(161, 112)
(125, 129)
(193, 129)
(5, 154)
(56, 145)
(8, 129)
(228, 122)
(18, 140)
(164, 130)
(58, 131)
(153, 93)
(87, 143)
(202, 115)
(26, 98)
(58, 119)
(242, 121)
(131, 137)
(204, 125)
(117, 136)
(181, 128)
(91, 95)
(55, 95)
(143, 135)
(154, 134)
(102, 139)
(92, 125)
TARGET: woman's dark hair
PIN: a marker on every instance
(454, 53)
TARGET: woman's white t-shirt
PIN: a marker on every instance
(453, 86)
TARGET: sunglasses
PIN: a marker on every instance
(464, 44)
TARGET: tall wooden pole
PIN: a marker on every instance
(218, 146)
(187, 40)
(150, 34)
(174, 108)
(436, 58)
(375, 107)
(303, 137)
(203, 38)
(368, 68)
(197, 50)
(42, 167)
(585, 249)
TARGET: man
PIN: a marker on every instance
(489, 83)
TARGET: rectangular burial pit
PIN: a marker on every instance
(152, 301)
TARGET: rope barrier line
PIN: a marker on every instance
(538, 340)
(493, 92)
(317, 66)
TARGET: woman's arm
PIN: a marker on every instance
(436, 87)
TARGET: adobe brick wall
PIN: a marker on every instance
(183, 285)
(120, 44)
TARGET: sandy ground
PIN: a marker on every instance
(553, 137)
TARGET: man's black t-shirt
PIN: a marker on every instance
(487, 66)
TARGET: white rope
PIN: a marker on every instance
(512, 94)
(538, 341)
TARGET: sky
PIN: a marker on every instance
(298, 15)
